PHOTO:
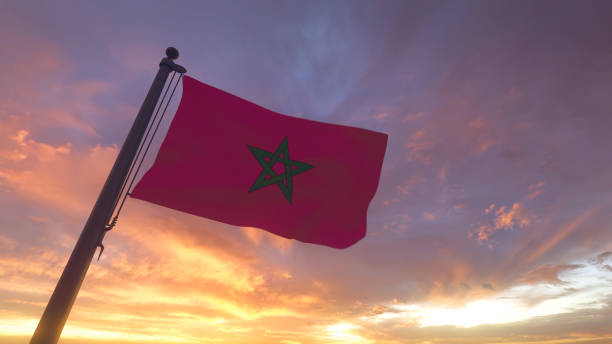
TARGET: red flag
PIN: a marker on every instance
(232, 161)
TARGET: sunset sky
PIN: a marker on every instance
(491, 223)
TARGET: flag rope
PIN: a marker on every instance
(146, 135)
(148, 145)
(140, 155)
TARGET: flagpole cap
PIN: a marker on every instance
(172, 53)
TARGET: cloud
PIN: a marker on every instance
(548, 273)
(381, 115)
(603, 260)
(419, 147)
(429, 216)
(409, 184)
(28, 147)
(535, 190)
(377, 310)
(40, 86)
(488, 286)
(413, 116)
(502, 219)
(53, 175)
(512, 217)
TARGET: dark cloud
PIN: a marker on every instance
(488, 286)
(603, 260)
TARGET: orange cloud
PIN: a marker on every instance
(60, 176)
(40, 151)
(503, 219)
(513, 216)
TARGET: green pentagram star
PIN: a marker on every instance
(268, 176)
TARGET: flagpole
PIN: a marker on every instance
(56, 313)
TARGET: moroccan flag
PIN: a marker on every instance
(232, 161)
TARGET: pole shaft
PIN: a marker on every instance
(56, 313)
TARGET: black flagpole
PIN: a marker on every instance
(56, 313)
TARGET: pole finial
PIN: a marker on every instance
(172, 53)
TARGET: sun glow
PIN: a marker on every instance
(585, 288)
(25, 327)
(79, 332)
(342, 332)
(18, 326)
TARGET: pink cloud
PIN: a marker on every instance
(419, 147)
(409, 184)
(535, 190)
(429, 216)
(381, 115)
(413, 116)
